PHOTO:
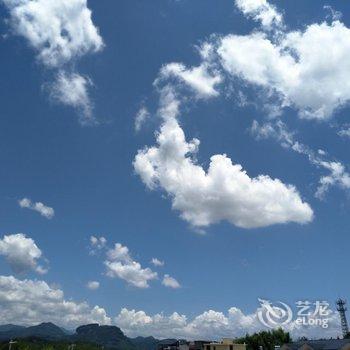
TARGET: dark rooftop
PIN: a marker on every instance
(327, 344)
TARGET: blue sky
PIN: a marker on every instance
(68, 140)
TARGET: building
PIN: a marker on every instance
(328, 344)
(225, 344)
(198, 344)
(173, 345)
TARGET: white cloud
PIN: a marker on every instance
(98, 242)
(131, 272)
(138, 323)
(277, 130)
(170, 282)
(338, 176)
(39, 207)
(141, 116)
(93, 285)
(223, 192)
(120, 253)
(260, 10)
(21, 253)
(59, 31)
(71, 89)
(199, 79)
(120, 264)
(210, 324)
(344, 131)
(157, 262)
(307, 70)
(333, 14)
(29, 302)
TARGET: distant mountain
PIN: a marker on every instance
(150, 343)
(67, 331)
(34, 343)
(10, 327)
(145, 343)
(48, 331)
(167, 341)
(108, 336)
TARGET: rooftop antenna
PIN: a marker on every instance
(344, 323)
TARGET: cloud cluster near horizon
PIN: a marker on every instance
(29, 302)
(212, 324)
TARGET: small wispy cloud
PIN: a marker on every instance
(141, 117)
(170, 282)
(71, 89)
(93, 285)
(39, 207)
(96, 244)
(338, 175)
(157, 262)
